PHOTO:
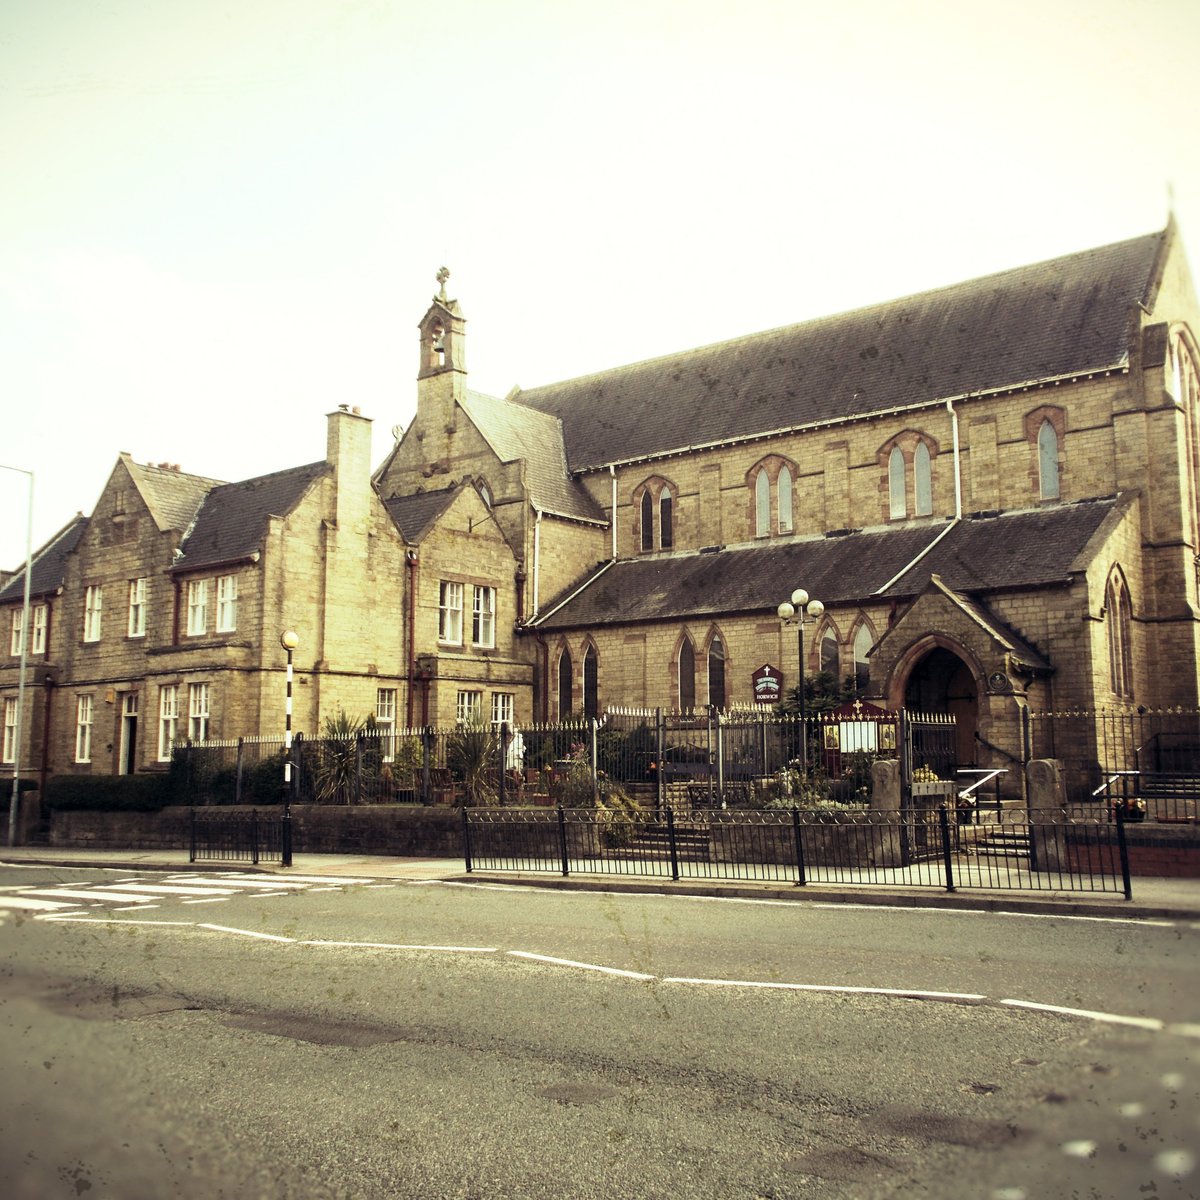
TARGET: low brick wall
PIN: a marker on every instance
(399, 830)
(1156, 851)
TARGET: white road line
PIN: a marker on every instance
(1110, 1018)
(569, 962)
(290, 878)
(105, 920)
(33, 905)
(137, 907)
(324, 889)
(400, 946)
(209, 900)
(906, 993)
(90, 894)
(252, 881)
(1141, 921)
(1184, 1029)
(260, 895)
(170, 889)
(266, 937)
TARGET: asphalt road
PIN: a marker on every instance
(323, 1039)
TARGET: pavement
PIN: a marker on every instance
(1153, 898)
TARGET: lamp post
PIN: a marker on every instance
(18, 731)
(289, 640)
(796, 611)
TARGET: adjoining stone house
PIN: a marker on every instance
(993, 488)
(158, 618)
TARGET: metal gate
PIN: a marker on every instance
(928, 768)
(217, 836)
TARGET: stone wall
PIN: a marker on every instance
(384, 829)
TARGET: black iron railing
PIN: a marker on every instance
(217, 836)
(925, 847)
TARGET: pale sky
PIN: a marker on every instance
(222, 218)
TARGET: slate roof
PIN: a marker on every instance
(414, 514)
(516, 431)
(1020, 650)
(171, 496)
(1041, 547)
(1064, 317)
(232, 519)
(49, 563)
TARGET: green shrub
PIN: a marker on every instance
(111, 793)
(473, 756)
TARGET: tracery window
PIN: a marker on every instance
(910, 447)
(772, 491)
(862, 668)
(656, 515)
(897, 504)
(687, 675)
(1118, 617)
(1047, 446)
(564, 683)
(829, 653)
(716, 672)
(591, 684)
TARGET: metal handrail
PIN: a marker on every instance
(987, 777)
(1107, 783)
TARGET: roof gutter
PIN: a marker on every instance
(851, 418)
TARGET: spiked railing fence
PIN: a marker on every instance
(1038, 851)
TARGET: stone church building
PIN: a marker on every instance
(992, 487)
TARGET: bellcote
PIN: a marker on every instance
(443, 334)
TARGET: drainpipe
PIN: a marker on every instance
(536, 599)
(410, 560)
(44, 770)
(957, 462)
(612, 470)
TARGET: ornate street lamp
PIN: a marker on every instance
(795, 612)
(289, 640)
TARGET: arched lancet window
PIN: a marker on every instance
(762, 505)
(716, 673)
(922, 480)
(647, 520)
(785, 501)
(1118, 616)
(862, 670)
(666, 519)
(1047, 443)
(897, 507)
(829, 653)
(591, 684)
(687, 675)
(564, 684)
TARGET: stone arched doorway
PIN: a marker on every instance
(940, 681)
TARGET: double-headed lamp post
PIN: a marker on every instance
(289, 640)
(796, 611)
